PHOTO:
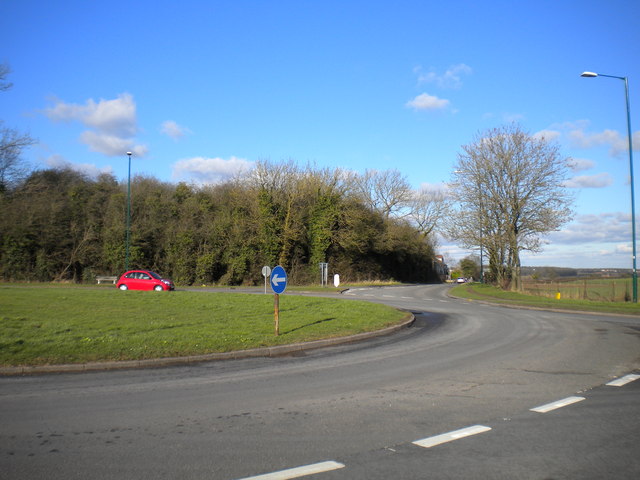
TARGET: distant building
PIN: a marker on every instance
(441, 268)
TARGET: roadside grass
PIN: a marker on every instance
(478, 291)
(67, 324)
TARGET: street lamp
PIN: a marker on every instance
(126, 252)
(633, 202)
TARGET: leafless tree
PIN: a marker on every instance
(509, 189)
(385, 191)
(12, 143)
(427, 209)
(4, 73)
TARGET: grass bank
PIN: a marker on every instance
(478, 291)
(66, 324)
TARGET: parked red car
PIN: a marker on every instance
(144, 280)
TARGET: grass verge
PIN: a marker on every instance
(478, 291)
(42, 326)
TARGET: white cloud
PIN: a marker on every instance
(91, 170)
(111, 145)
(173, 130)
(616, 143)
(600, 180)
(112, 123)
(548, 135)
(425, 101)
(452, 78)
(579, 137)
(612, 227)
(210, 170)
(580, 164)
(589, 241)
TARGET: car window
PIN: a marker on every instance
(144, 276)
(130, 275)
(155, 275)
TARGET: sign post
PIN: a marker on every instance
(266, 271)
(278, 285)
(324, 272)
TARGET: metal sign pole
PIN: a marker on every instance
(266, 271)
(276, 314)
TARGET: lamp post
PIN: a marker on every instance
(633, 202)
(126, 252)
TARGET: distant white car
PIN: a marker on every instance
(461, 280)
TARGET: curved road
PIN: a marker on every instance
(358, 407)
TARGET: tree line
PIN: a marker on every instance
(61, 225)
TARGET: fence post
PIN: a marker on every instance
(613, 290)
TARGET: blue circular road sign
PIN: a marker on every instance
(278, 280)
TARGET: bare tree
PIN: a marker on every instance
(12, 143)
(4, 73)
(509, 187)
(385, 191)
(427, 208)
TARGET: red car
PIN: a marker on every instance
(144, 280)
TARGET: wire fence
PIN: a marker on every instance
(599, 290)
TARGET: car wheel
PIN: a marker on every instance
(158, 288)
(123, 287)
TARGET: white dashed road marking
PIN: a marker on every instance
(451, 436)
(620, 382)
(299, 471)
(555, 405)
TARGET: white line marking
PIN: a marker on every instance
(555, 405)
(407, 298)
(451, 436)
(299, 471)
(620, 382)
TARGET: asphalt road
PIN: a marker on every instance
(357, 409)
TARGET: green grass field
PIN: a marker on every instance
(477, 291)
(42, 325)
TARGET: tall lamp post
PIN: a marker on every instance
(126, 251)
(633, 202)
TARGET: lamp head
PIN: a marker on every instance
(129, 153)
(589, 74)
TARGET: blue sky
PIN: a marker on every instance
(199, 90)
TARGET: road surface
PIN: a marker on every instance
(466, 375)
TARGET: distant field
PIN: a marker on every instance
(63, 324)
(478, 291)
(598, 289)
